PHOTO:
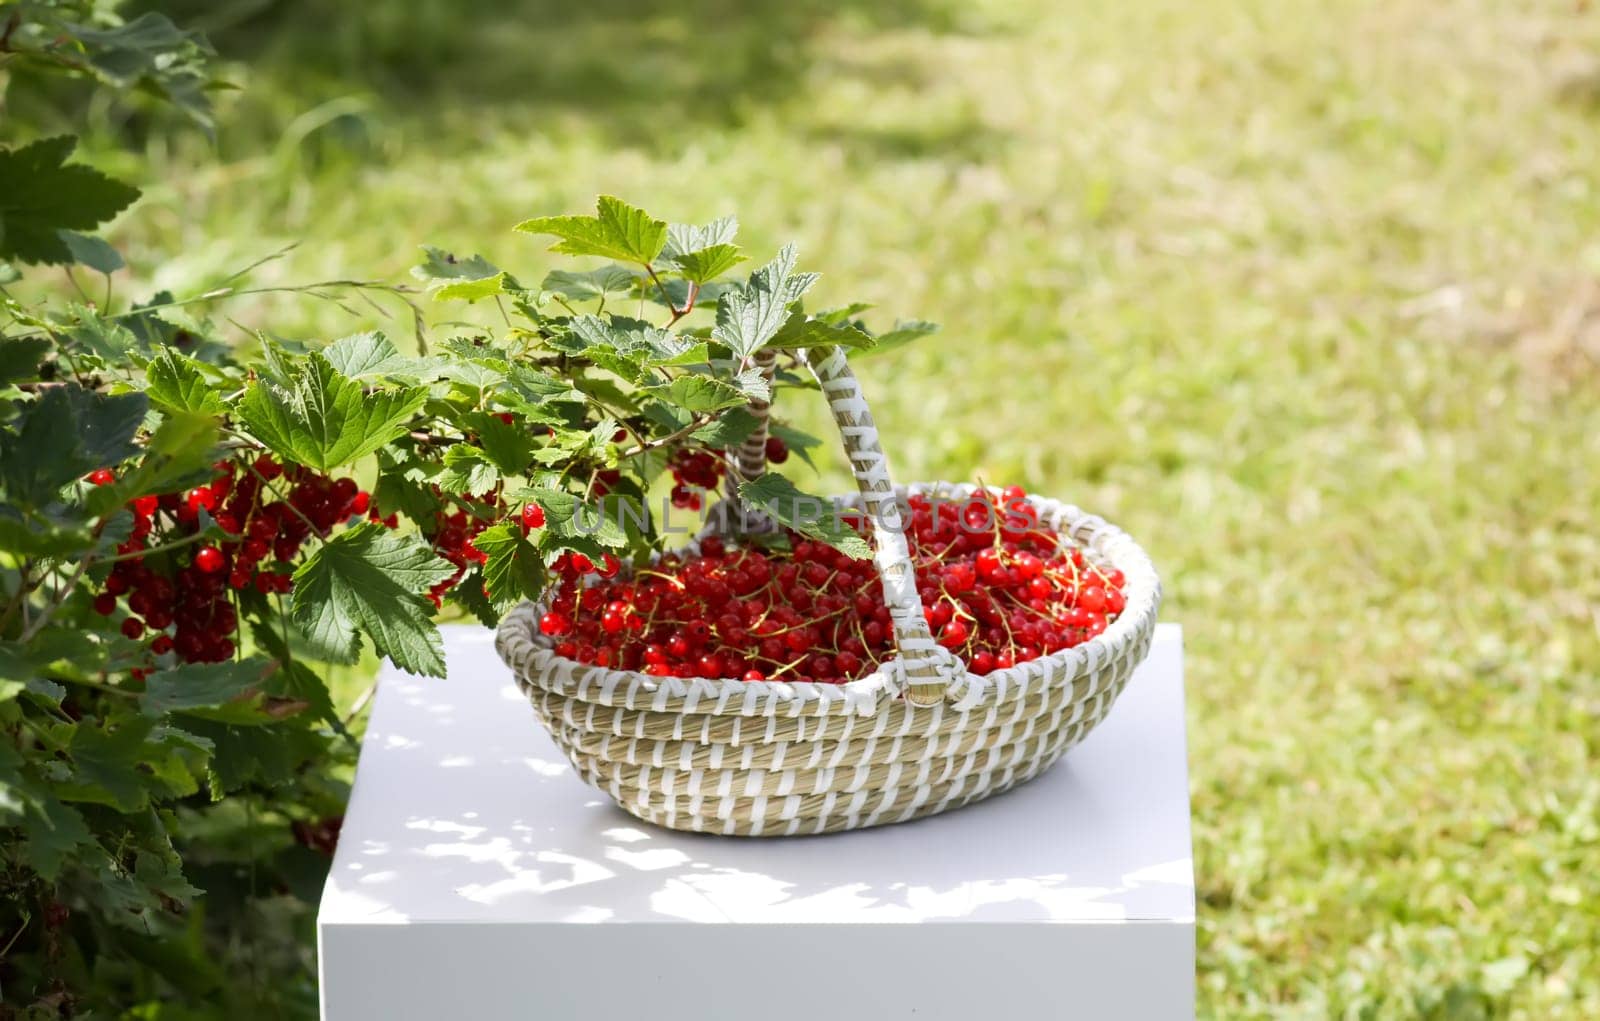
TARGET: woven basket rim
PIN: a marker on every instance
(863, 695)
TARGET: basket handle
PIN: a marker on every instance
(927, 672)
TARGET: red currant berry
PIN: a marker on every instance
(105, 604)
(132, 627)
(554, 624)
(532, 516)
(209, 559)
(101, 477)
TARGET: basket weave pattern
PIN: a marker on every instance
(767, 758)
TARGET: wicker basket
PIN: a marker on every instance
(917, 737)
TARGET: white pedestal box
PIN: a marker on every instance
(477, 878)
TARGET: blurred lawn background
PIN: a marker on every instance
(1304, 294)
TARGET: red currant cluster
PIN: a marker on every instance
(178, 592)
(452, 534)
(693, 471)
(998, 588)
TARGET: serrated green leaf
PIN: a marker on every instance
(568, 517)
(474, 290)
(801, 332)
(66, 433)
(592, 285)
(683, 238)
(372, 356)
(708, 263)
(799, 443)
(469, 593)
(616, 231)
(811, 516)
(178, 454)
(467, 470)
(754, 385)
(438, 264)
(515, 568)
(325, 419)
(206, 686)
(475, 374)
(103, 765)
(509, 445)
(698, 393)
(41, 194)
(633, 338)
(751, 316)
(728, 429)
(371, 581)
(843, 313)
(52, 832)
(42, 533)
(174, 381)
(154, 55)
(293, 679)
(20, 358)
(268, 756)
(902, 334)
(108, 338)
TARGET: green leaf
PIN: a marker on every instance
(474, 290)
(372, 581)
(438, 264)
(754, 385)
(325, 419)
(633, 338)
(174, 381)
(103, 765)
(592, 285)
(67, 432)
(567, 517)
(843, 313)
(708, 263)
(752, 315)
(683, 239)
(52, 832)
(617, 231)
(93, 252)
(293, 679)
(902, 334)
(508, 445)
(799, 443)
(40, 195)
(206, 686)
(151, 53)
(372, 356)
(108, 338)
(728, 429)
(467, 470)
(469, 593)
(515, 568)
(20, 358)
(698, 393)
(270, 756)
(179, 454)
(799, 332)
(812, 516)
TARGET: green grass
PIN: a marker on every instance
(1304, 294)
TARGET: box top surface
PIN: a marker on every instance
(464, 811)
